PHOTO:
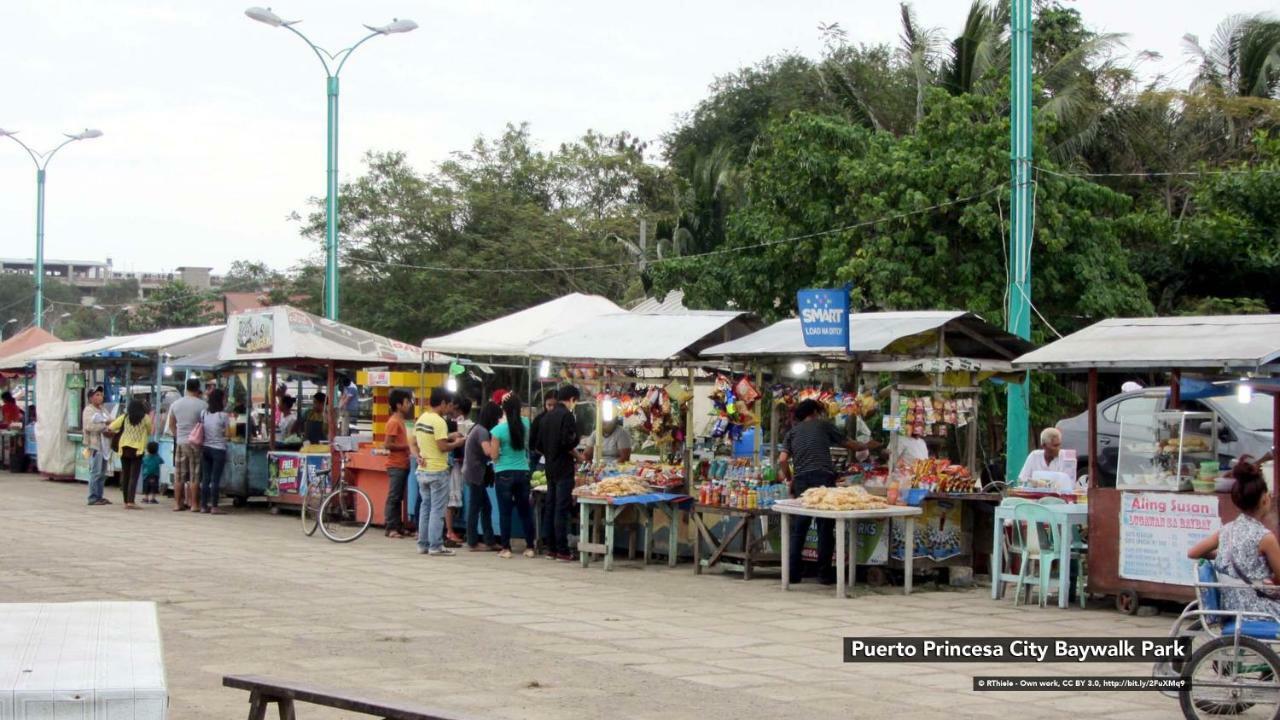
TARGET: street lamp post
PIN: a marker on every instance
(327, 59)
(114, 315)
(42, 163)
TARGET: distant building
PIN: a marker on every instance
(88, 276)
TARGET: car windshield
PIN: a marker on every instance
(1255, 415)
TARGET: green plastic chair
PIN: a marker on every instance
(1030, 546)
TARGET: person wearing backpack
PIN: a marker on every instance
(184, 417)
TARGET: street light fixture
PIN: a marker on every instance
(114, 315)
(41, 159)
(327, 59)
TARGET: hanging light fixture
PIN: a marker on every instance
(799, 368)
(451, 384)
(607, 409)
(544, 369)
(1244, 393)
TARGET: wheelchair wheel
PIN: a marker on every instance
(1232, 678)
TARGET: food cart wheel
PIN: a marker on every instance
(239, 501)
(877, 577)
(1127, 602)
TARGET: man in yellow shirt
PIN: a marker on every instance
(431, 445)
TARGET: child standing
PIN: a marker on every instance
(151, 463)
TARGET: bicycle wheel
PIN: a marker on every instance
(311, 504)
(345, 514)
(1231, 679)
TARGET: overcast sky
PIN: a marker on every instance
(214, 124)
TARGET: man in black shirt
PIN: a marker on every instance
(546, 518)
(556, 440)
(808, 447)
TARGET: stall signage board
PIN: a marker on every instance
(1157, 530)
(379, 379)
(255, 333)
(824, 317)
(75, 381)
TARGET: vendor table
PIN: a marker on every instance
(746, 521)
(1066, 516)
(646, 505)
(847, 539)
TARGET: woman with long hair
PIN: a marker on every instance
(134, 429)
(477, 474)
(511, 468)
(213, 454)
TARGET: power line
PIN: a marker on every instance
(1185, 173)
(695, 256)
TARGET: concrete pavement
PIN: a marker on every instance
(487, 638)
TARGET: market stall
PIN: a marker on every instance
(1140, 530)
(13, 445)
(646, 362)
(283, 338)
(919, 374)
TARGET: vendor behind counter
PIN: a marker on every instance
(315, 428)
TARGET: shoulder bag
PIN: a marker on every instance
(196, 436)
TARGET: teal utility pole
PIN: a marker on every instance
(42, 164)
(1018, 314)
(328, 60)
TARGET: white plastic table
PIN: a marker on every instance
(92, 660)
(1066, 517)
(847, 539)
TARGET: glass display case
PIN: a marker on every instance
(1163, 452)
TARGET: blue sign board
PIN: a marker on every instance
(824, 317)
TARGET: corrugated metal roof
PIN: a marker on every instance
(884, 335)
(511, 335)
(1238, 342)
(25, 340)
(643, 337)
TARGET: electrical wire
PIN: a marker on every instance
(709, 253)
(1186, 173)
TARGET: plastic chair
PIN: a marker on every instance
(1079, 548)
(1051, 500)
(1029, 545)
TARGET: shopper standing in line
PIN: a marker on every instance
(549, 403)
(213, 455)
(134, 429)
(183, 416)
(397, 444)
(511, 467)
(457, 420)
(558, 442)
(431, 446)
(477, 470)
(93, 421)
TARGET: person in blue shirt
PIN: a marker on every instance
(348, 405)
(151, 463)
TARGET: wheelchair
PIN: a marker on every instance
(1233, 668)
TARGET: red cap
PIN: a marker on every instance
(499, 395)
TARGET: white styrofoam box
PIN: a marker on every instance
(81, 661)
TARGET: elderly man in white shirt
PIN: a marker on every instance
(1048, 458)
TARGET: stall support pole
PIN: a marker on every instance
(528, 399)
(1093, 427)
(271, 411)
(894, 400)
(1175, 391)
(330, 416)
(773, 429)
(156, 396)
(971, 437)
(597, 455)
(756, 439)
(688, 438)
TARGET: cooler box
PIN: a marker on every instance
(87, 661)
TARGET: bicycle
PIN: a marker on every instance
(342, 512)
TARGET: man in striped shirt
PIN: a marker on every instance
(808, 448)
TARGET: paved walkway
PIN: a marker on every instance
(487, 638)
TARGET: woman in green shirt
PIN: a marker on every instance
(511, 468)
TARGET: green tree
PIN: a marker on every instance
(175, 304)
(250, 276)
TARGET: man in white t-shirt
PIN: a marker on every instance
(1047, 459)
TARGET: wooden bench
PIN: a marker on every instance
(264, 691)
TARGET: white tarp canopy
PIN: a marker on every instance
(1225, 342)
(286, 333)
(69, 350)
(886, 336)
(642, 337)
(511, 335)
(163, 340)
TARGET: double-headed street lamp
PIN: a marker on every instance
(328, 59)
(113, 315)
(41, 159)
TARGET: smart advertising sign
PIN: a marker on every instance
(824, 317)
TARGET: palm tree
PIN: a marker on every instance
(921, 48)
(981, 46)
(1243, 57)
